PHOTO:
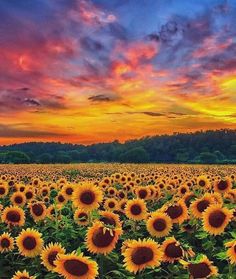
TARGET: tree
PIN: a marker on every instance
(208, 158)
(62, 157)
(17, 157)
(219, 155)
(232, 151)
(45, 158)
(135, 155)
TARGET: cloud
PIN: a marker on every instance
(102, 98)
(32, 102)
(13, 100)
(13, 131)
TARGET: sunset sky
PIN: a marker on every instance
(95, 71)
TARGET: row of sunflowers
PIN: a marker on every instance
(117, 221)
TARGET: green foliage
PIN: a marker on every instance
(134, 155)
(207, 147)
(14, 157)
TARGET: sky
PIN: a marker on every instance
(95, 71)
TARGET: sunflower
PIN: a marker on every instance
(121, 194)
(216, 218)
(178, 212)
(111, 191)
(159, 224)
(74, 266)
(67, 191)
(87, 196)
(29, 194)
(61, 199)
(6, 242)
(49, 255)
(203, 182)
(182, 190)
(4, 188)
(142, 192)
(13, 215)
(136, 209)
(23, 275)
(223, 185)
(44, 191)
(231, 252)
(217, 197)
(110, 219)
(18, 198)
(81, 217)
(231, 196)
(51, 211)
(102, 240)
(38, 211)
(139, 254)
(29, 243)
(111, 204)
(172, 250)
(122, 204)
(188, 198)
(201, 269)
(198, 206)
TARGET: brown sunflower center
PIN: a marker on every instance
(18, 199)
(5, 243)
(135, 209)
(174, 211)
(101, 239)
(51, 257)
(2, 191)
(142, 194)
(235, 249)
(28, 195)
(69, 191)
(122, 206)
(222, 185)
(200, 270)
(45, 192)
(61, 198)
(142, 255)
(29, 243)
(13, 216)
(159, 224)
(202, 205)
(173, 251)
(108, 220)
(202, 183)
(76, 267)
(37, 209)
(87, 197)
(217, 218)
(121, 195)
(183, 190)
(111, 204)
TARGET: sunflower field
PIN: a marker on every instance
(117, 221)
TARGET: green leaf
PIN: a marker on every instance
(221, 256)
(233, 234)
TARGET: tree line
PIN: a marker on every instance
(206, 147)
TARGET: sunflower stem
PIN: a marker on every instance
(101, 266)
(231, 271)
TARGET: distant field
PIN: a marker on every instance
(117, 221)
